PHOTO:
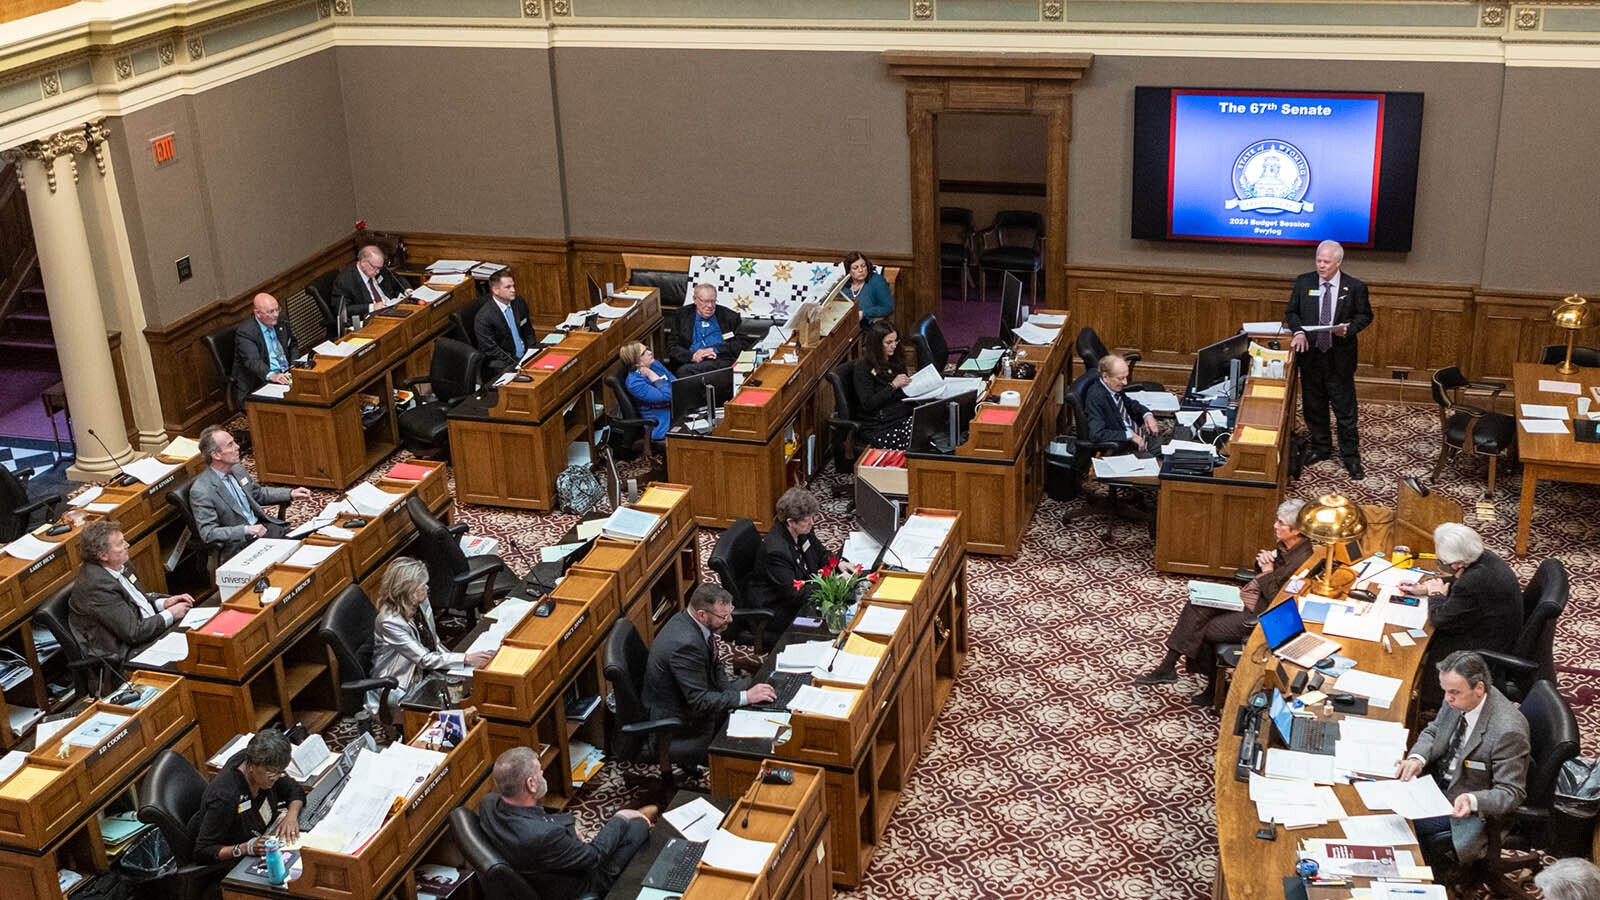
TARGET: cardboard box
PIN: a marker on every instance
(243, 568)
(887, 479)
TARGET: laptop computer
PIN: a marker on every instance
(1288, 639)
(1301, 733)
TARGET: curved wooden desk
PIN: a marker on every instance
(1249, 868)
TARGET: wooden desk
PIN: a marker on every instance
(997, 476)
(509, 444)
(1552, 457)
(1211, 526)
(49, 807)
(1252, 869)
(868, 756)
(316, 434)
(773, 433)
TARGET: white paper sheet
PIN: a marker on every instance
(309, 556)
(1156, 401)
(696, 820)
(1294, 765)
(336, 350)
(882, 620)
(1560, 387)
(1263, 328)
(728, 851)
(846, 668)
(1048, 320)
(1343, 621)
(832, 702)
(275, 391)
(370, 500)
(173, 646)
(199, 616)
(1029, 333)
(1380, 830)
(426, 295)
(29, 548)
(1378, 689)
(1418, 798)
(1543, 426)
(1125, 466)
(1543, 411)
(149, 470)
(756, 724)
(87, 497)
(803, 657)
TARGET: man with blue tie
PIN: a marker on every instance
(263, 348)
(1335, 307)
(228, 505)
(501, 328)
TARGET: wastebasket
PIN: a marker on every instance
(1058, 464)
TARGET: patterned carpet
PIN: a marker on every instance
(1049, 775)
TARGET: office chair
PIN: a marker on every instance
(1013, 242)
(216, 551)
(933, 349)
(1470, 428)
(168, 798)
(630, 432)
(1090, 349)
(674, 285)
(1084, 449)
(1584, 357)
(219, 346)
(16, 510)
(347, 629)
(635, 737)
(956, 222)
(844, 423)
(305, 316)
(52, 616)
(500, 880)
(1532, 656)
(321, 290)
(457, 582)
(1553, 739)
(734, 559)
(453, 375)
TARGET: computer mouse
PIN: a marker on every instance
(523, 378)
(55, 530)
(353, 523)
(545, 607)
(1342, 699)
(124, 697)
(1325, 663)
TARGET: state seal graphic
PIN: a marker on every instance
(1271, 177)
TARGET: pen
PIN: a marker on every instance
(1395, 890)
(692, 823)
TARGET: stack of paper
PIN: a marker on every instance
(881, 620)
(1370, 746)
(149, 470)
(1418, 798)
(29, 548)
(425, 295)
(803, 657)
(1029, 333)
(821, 701)
(1048, 320)
(451, 266)
(309, 556)
(756, 724)
(484, 270)
(172, 646)
(270, 390)
(696, 820)
(1125, 466)
(370, 500)
(918, 541)
(1157, 401)
(336, 349)
(1294, 803)
(846, 668)
(727, 850)
(628, 524)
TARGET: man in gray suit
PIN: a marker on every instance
(229, 505)
(1477, 749)
(110, 614)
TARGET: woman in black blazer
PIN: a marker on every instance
(880, 378)
(790, 552)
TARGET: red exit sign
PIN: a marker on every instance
(163, 149)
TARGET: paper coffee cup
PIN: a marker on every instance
(1583, 406)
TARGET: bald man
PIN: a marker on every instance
(263, 348)
(369, 284)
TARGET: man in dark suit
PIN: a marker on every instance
(544, 847)
(1113, 416)
(1481, 609)
(501, 328)
(1477, 749)
(1327, 358)
(704, 336)
(683, 679)
(111, 616)
(368, 285)
(263, 348)
(228, 504)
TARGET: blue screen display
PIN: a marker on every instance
(1291, 167)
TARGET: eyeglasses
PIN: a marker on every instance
(272, 774)
(720, 617)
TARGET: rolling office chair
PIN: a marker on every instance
(219, 346)
(1090, 348)
(844, 423)
(734, 559)
(321, 290)
(169, 797)
(457, 582)
(635, 737)
(347, 630)
(500, 880)
(1532, 656)
(933, 349)
(630, 432)
(453, 376)
(52, 615)
(215, 551)
(17, 512)
(1470, 428)
(1084, 448)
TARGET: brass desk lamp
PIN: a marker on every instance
(1330, 519)
(1572, 316)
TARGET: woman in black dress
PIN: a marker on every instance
(880, 378)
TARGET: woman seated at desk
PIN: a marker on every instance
(790, 554)
(880, 379)
(650, 385)
(239, 804)
(868, 288)
(405, 645)
(1200, 629)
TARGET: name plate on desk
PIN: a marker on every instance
(44, 560)
(573, 628)
(104, 754)
(166, 481)
(444, 772)
(297, 590)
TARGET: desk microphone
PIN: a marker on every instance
(344, 495)
(123, 479)
(838, 645)
(761, 778)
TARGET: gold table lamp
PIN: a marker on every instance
(1330, 519)
(1572, 316)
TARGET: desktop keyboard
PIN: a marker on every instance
(674, 868)
(786, 684)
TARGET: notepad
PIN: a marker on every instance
(660, 497)
(997, 415)
(550, 362)
(862, 646)
(1267, 391)
(1251, 434)
(897, 587)
(879, 620)
(28, 781)
(513, 660)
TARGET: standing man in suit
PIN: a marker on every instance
(1327, 358)
(501, 328)
(704, 336)
(229, 505)
(1477, 749)
(368, 285)
(544, 847)
(112, 617)
(1113, 416)
(683, 680)
(263, 348)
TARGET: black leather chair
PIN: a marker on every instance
(635, 736)
(214, 550)
(932, 348)
(674, 285)
(956, 231)
(457, 582)
(347, 629)
(168, 798)
(1585, 357)
(1013, 242)
(844, 423)
(86, 671)
(17, 512)
(1090, 349)
(1470, 428)
(321, 290)
(630, 432)
(1084, 448)
(733, 559)
(1532, 656)
(219, 346)
(500, 880)
(453, 375)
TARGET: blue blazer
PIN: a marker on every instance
(653, 398)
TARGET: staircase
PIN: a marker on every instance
(26, 339)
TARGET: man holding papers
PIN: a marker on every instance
(1113, 416)
(501, 328)
(1326, 309)
(228, 505)
(683, 679)
(108, 612)
(544, 847)
(1480, 610)
(1477, 749)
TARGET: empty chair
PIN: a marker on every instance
(1470, 428)
(734, 559)
(1586, 357)
(932, 348)
(219, 346)
(844, 424)
(1532, 656)
(955, 243)
(308, 319)
(456, 582)
(453, 376)
(1090, 349)
(1012, 243)
(17, 512)
(635, 737)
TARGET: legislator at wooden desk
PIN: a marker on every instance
(1552, 457)
(317, 434)
(509, 444)
(1249, 868)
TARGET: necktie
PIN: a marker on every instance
(139, 600)
(1325, 338)
(240, 499)
(516, 336)
(1122, 409)
(1453, 748)
(275, 355)
(377, 296)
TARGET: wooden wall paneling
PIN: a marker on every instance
(1509, 328)
(538, 265)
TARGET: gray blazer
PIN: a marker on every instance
(218, 515)
(1493, 767)
(107, 621)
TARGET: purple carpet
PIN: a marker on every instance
(21, 413)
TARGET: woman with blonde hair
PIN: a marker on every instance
(405, 644)
(650, 385)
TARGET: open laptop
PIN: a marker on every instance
(1288, 639)
(1301, 733)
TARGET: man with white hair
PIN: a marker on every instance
(369, 284)
(1479, 607)
(1334, 306)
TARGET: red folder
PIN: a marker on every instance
(997, 415)
(750, 397)
(408, 472)
(227, 623)
(550, 361)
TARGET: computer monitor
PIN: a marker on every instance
(689, 393)
(596, 295)
(1213, 365)
(940, 426)
(878, 512)
(1010, 307)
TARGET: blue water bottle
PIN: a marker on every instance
(277, 871)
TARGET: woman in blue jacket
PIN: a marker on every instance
(650, 385)
(867, 287)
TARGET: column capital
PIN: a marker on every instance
(69, 143)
